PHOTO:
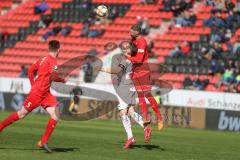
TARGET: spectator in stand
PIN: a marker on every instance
(192, 17)
(229, 5)
(23, 72)
(236, 47)
(187, 83)
(219, 4)
(210, 3)
(41, 7)
(222, 34)
(230, 19)
(234, 87)
(95, 33)
(231, 64)
(52, 32)
(3, 36)
(206, 54)
(227, 78)
(187, 18)
(181, 21)
(217, 50)
(237, 79)
(84, 5)
(214, 51)
(197, 84)
(45, 21)
(113, 14)
(167, 4)
(185, 48)
(214, 36)
(176, 52)
(178, 7)
(215, 67)
(66, 30)
(228, 35)
(215, 20)
(237, 6)
(145, 27)
(85, 30)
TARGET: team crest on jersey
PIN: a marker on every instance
(55, 68)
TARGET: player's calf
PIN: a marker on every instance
(13, 117)
(147, 133)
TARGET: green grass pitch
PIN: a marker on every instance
(103, 140)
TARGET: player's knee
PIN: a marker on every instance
(130, 111)
(55, 117)
(22, 113)
(123, 112)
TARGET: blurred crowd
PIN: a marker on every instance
(221, 49)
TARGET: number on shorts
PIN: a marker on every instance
(29, 104)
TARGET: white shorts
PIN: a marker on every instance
(126, 100)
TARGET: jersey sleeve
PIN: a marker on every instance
(31, 70)
(139, 56)
(53, 70)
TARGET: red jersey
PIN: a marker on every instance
(140, 60)
(46, 73)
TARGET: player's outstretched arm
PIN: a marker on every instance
(56, 78)
(113, 70)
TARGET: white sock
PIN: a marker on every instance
(138, 118)
(127, 126)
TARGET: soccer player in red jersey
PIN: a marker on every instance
(39, 94)
(141, 75)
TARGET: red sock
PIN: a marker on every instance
(143, 106)
(49, 129)
(154, 104)
(9, 120)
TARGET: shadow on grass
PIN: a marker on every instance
(65, 149)
(145, 146)
(35, 149)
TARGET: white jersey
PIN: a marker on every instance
(124, 86)
(124, 77)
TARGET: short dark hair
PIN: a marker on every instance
(136, 27)
(53, 45)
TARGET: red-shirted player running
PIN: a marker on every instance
(141, 75)
(39, 94)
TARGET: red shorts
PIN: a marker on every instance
(33, 101)
(142, 82)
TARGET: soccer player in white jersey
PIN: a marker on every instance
(122, 68)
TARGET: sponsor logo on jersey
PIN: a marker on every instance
(55, 68)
